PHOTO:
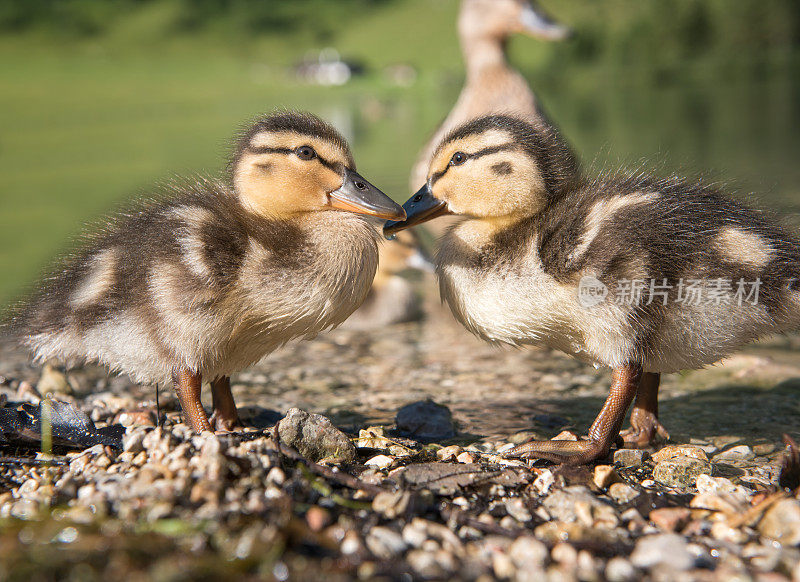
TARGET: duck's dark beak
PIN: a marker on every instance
(421, 207)
(537, 24)
(359, 196)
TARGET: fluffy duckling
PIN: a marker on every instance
(392, 298)
(492, 86)
(214, 276)
(642, 275)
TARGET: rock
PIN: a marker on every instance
(622, 493)
(721, 485)
(764, 448)
(449, 453)
(670, 519)
(739, 453)
(53, 382)
(618, 569)
(781, 522)
(315, 437)
(672, 451)
(385, 543)
(27, 393)
(723, 532)
(544, 481)
(554, 532)
(565, 504)
(629, 457)
(565, 435)
(133, 441)
(724, 503)
(516, 508)
(426, 564)
(317, 518)
(465, 458)
(680, 471)
(528, 553)
(380, 461)
(426, 420)
(670, 550)
(605, 475)
(392, 504)
(443, 478)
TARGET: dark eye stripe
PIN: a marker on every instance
(484, 152)
(335, 166)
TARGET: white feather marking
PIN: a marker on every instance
(99, 279)
(603, 211)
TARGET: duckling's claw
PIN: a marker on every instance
(646, 430)
(225, 417)
(187, 386)
(604, 430)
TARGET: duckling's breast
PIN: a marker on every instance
(505, 295)
(276, 300)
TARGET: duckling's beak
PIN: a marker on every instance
(421, 207)
(539, 25)
(359, 196)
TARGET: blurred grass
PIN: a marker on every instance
(86, 121)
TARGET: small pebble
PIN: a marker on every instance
(680, 471)
(670, 550)
(629, 457)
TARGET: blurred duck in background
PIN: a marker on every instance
(492, 86)
(392, 298)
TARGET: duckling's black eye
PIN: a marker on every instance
(458, 159)
(305, 153)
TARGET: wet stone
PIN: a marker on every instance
(315, 437)
(425, 420)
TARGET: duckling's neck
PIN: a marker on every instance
(478, 232)
(483, 53)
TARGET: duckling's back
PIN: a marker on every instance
(699, 273)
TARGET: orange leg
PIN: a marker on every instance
(645, 427)
(187, 387)
(603, 432)
(225, 416)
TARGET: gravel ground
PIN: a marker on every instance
(417, 486)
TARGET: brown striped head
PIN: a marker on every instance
(291, 163)
(493, 167)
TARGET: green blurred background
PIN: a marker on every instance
(101, 99)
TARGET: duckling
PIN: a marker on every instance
(215, 275)
(392, 298)
(492, 86)
(642, 275)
